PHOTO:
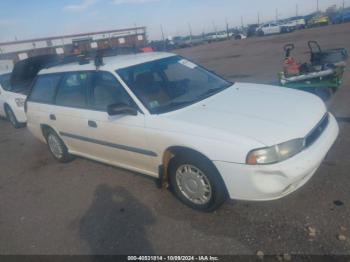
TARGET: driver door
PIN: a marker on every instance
(119, 139)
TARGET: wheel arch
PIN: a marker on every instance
(6, 104)
(171, 152)
(45, 128)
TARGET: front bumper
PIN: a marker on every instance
(269, 182)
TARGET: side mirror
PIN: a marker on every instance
(121, 109)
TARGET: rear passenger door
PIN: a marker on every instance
(69, 114)
(40, 103)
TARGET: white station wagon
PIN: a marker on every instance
(162, 115)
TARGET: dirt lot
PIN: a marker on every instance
(89, 208)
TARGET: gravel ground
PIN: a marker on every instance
(89, 208)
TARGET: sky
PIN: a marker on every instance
(25, 19)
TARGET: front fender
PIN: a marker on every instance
(215, 150)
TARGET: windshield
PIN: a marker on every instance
(171, 83)
(5, 81)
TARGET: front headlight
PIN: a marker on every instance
(275, 154)
(20, 102)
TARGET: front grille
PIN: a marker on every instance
(317, 131)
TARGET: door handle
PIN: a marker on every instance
(52, 117)
(92, 124)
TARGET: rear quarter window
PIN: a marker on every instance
(5, 81)
(44, 88)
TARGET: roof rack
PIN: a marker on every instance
(26, 70)
(86, 57)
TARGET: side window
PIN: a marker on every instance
(73, 89)
(106, 90)
(5, 82)
(44, 88)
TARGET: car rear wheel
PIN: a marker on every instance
(57, 147)
(196, 182)
(11, 117)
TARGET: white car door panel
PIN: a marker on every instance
(121, 139)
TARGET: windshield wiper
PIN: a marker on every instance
(211, 92)
(173, 105)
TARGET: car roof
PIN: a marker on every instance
(109, 63)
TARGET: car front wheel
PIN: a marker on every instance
(196, 182)
(57, 147)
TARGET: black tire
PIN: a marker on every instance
(64, 156)
(12, 117)
(218, 189)
(261, 33)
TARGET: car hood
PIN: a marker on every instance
(267, 114)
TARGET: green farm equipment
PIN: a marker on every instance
(322, 76)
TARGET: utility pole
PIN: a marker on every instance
(227, 29)
(258, 18)
(163, 38)
(296, 10)
(318, 9)
(276, 15)
(242, 24)
(216, 33)
(190, 30)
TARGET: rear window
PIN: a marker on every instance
(72, 91)
(44, 88)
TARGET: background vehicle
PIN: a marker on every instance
(220, 36)
(294, 24)
(12, 101)
(319, 20)
(269, 29)
(252, 30)
(239, 36)
(342, 17)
